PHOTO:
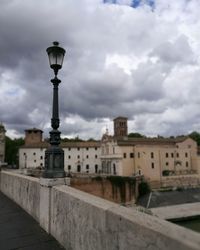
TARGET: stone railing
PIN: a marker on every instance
(80, 221)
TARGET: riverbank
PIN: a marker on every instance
(177, 211)
(166, 198)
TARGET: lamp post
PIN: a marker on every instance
(54, 155)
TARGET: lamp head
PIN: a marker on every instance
(56, 55)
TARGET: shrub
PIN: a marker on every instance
(144, 188)
(165, 172)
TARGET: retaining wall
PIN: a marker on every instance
(80, 221)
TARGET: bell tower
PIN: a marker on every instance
(120, 127)
(33, 136)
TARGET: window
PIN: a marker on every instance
(113, 150)
(41, 157)
(78, 149)
(139, 172)
(34, 153)
(69, 156)
(24, 153)
(186, 155)
(69, 149)
(152, 165)
(131, 155)
(138, 154)
(96, 156)
(167, 155)
(96, 168)
(124, 155)
(41, 165)
(34, 160)
(95, 148)
(172, 155)
(69, 167)
(87, 149)
(87, 156)
(167, 163)
(78, 168)
(177, 155)
(114, 169)
(187, 164)
(78, 156)
(87, 166)
(152, 155)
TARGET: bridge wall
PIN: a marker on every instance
(80, 221)
(24, 190)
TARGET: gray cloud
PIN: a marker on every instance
(155, 88)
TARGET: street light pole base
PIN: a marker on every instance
(54, 163)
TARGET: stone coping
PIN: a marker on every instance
(135, 217)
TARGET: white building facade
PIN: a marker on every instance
(79, 157)
(154, 158)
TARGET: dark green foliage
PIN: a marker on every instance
(116, 180)
(165, 172)
(195, 136)
(76, 139)
(120, 180)
(135, 135)
(98, 178)
(12, 146)
(143, 188)
(91, 139)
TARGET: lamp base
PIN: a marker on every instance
(54, 163)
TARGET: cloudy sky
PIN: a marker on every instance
(139, 59)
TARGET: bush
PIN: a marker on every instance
(97, 178)
(165, 172)
(144, 188)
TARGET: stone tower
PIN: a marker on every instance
(33, 136)
(2, 143)
(120, 126)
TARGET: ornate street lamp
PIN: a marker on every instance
(54, 155)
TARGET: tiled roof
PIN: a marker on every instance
(43, 144)
(150, 141)
(84, 144)
(34, 129)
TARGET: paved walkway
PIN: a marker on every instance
(18, 230)
(177, 211)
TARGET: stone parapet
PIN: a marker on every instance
(80, 221)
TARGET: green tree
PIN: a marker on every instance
(91, 139)
(11, 150)
(135, 135)
(144, 188)
(195, 136)
(76, 139)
